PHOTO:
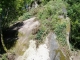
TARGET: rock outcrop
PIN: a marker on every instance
(26, 49)
(49, 50)
(29, 27)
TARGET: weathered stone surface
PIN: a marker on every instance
(49, 50)
(29, 27)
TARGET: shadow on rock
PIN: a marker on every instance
(10, 35)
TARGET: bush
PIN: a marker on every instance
(41, 33)
(60, 31)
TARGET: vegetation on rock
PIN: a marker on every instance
(52, 15)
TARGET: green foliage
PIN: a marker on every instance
(25, 16)
(29, 1)
(29, 14)
(4, 57)
(48, 17)
(9, 13)
(60, 30)
(39, 35)
(11, 10)
(0, 10)
(51, 10)
(44, 2)
(74, 14)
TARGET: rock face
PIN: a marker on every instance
(53, 46)
(49, 50)
(36, 54)
(54, 52)
(29, 27)
(75, 58)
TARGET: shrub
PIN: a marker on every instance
(41, 33)
(60, 31)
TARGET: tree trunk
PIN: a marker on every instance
(2, 45)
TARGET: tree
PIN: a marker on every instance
(9, 12)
